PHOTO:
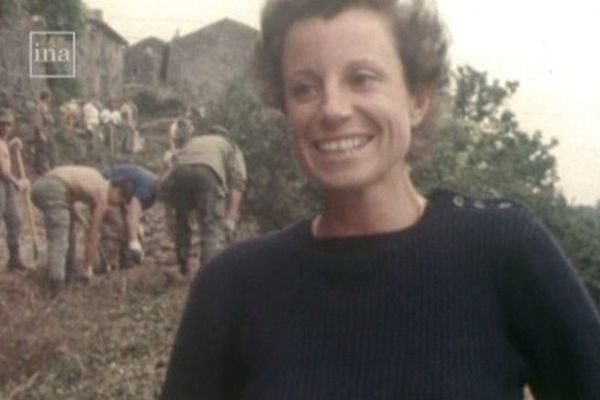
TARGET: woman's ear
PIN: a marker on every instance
(419, 105)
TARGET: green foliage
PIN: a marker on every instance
(277, 192)
(64, 89)
(150, 103)
(579, 234)
(9, 9)
(146, 101)
(62, 15)
(482, 151)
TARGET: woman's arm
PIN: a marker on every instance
(553, 320)
(203, 360)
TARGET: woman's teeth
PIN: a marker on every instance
(342, 145)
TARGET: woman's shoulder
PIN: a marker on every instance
(483, 216)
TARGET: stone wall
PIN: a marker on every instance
(99, 60)
(143, 67)
(14, 58)
(145, 63)
(100, 63)
(200, 63)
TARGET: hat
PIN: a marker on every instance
(6, 115)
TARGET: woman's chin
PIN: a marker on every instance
(341, 182)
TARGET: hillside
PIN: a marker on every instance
(110, 340)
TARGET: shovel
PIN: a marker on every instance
(29, 208)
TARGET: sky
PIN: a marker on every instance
(549, 47)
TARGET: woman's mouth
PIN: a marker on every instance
(342, 145)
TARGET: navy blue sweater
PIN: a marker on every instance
(471, 302)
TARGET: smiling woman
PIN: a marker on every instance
(386, 293)
(350, 113)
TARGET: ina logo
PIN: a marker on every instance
(52, 54)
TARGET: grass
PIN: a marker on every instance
(110, 340)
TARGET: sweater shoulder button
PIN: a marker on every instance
(479, 204)
(458, 201)
(504, 205)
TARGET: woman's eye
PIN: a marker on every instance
(303, 91)
(363, 79)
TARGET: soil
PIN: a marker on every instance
(107, 340)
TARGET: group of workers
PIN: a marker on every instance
(206, 173)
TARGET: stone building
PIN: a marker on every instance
(193, 66)
(14, 57)
(100, 58)
(200, 63)
(145, 63)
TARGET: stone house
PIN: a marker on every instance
(100, 59)
(14, 57)
(145, 63)
(200, 63)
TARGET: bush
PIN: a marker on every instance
(64, 89)
(277, 192)
(151, 103)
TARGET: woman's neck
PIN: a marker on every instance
(379, 209)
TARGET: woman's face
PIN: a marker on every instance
(348, 107)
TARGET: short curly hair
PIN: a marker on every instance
(421, 39)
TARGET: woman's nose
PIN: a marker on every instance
(336, 106)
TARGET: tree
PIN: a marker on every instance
(63, 15)
(9, 9)
(579, 234)
(482, 151)
(64, 89)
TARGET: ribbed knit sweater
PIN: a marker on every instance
(471, 302)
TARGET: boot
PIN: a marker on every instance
(81, 276)
(14, 259)
(56, 287)
(182, 260)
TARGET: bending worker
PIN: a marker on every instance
(209, 176)
(56, 194)
(144, 186)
